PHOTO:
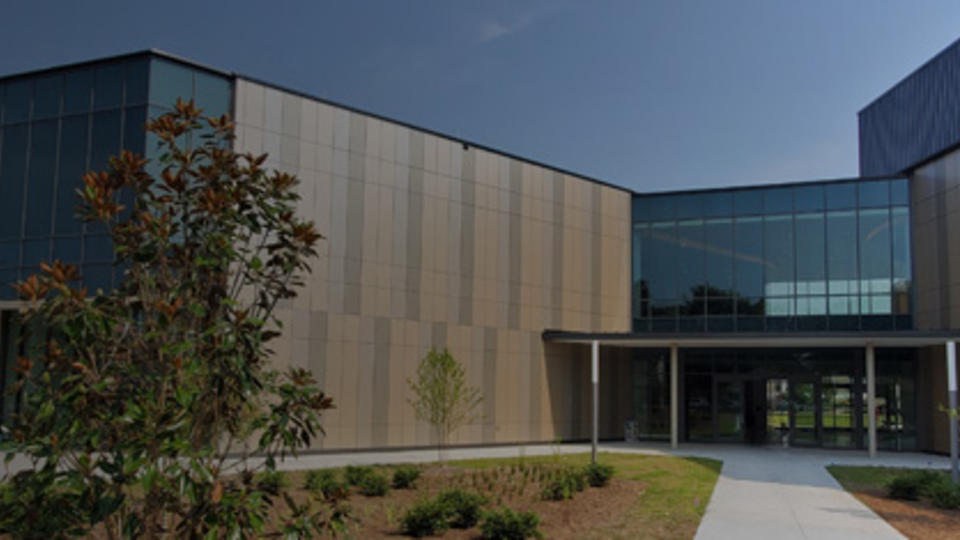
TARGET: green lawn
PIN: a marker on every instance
(671, 506)
(869, 479)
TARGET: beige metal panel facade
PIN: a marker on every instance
(434, 244)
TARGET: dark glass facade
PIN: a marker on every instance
(57, 125)
(810, 257)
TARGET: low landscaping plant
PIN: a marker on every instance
(463, 507)
(426, 518)
(405, 477)
(557, 489)
(272, 481)
(374, 484)
(913, 485)
(598, 475)
(509, 525)
(354, 474)
(324, 482)
(944, 495)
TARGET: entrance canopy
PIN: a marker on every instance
(903, 338)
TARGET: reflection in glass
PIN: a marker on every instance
(651, 373)
(73, 163)
(43, 164)
(841, 253)
(778, 243)
(874, 194)
(875, 252)
(841, 196)
(169, 81)
(807, 198)
(13, 167)
(16, 101)
(901, 259)
(748, 243)
(699, 407)
(690, 266)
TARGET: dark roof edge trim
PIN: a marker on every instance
(785, 184)
(562, 335)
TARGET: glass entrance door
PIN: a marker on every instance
(805, 412)
(778, 411)
(730, 410)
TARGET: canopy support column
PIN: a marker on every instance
(871, 402)
(674, 396)
(595, 379)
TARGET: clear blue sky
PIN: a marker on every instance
(650, 95)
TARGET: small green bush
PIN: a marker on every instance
(374, 485)
(557, 489)
(354, 474)
(577, 478)
(910, 486)
(509, 525)
(463, 507)
(272, 481)
(324, 482)
(598, 475)
(945, 495)
(405, 477)
(426, 518)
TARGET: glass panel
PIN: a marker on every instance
(47, 95)
(718, 204)
(748, 265)
(730, 419)
(137, 76)
(659, 264)
(748, 201)
(778, 200)
(804, 430)
(640, 294)
(699, 398)
(67, 250)
(875, 193)
(651, 374)
(16, 101)
(844, 305)
(43, 165)
(13, 165)
(36, 252)
(811, 305)
(654, 208)
(73, 164)
(106, 139)
(810, 254)
(97, 276)
(134, 135)
(76, 97)
(901, 260)
(899, 191)
(778, 242)
(169, 81)
(841, 253)
(778, 411)
(807, 198)
(689, 267)
(719, 253)
(837, 416)
(108, 86)
(97, 249)
(875, 252)
(841, 196)
(213, 94)
(689, 206)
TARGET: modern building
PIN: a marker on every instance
(810, 314)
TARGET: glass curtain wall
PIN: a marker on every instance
(820, 256)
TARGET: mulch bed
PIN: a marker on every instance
(914, 519)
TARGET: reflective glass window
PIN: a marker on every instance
(899, 191)
(719, 254)
(16, 101)
(901, 259)
(47, 95)
(108, 86)
(13, 167)
(811, 253)
(690, 263)
(875, 260)
(689, 206)
(659, 266)
(9, 253)
(73, 164)
(36, 252)
(807, 198)
(137, 74)
(105, 140)
(778, 243)
(718, 204)
(67, 249)
(842, 271)
(213, 94)
(43, 168)
(748, 201)
(874, 194)
(134, 135)
(778, 200)
(169, 81)
(748, 253)
(77, 91)
(97, 249)
(811, 305)
(840, 196)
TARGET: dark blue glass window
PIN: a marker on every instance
(16, 101)
(9, 254)
(748, 245)
(842, 265)
(106, 138)
(47, 96)
(13, 168)
(718, 204)
(73, 164)
(747, 202)
(874, 194)
(841, 196)
(778, 259)
(168, 82)
(36, 252)
(899, 192)
(689, 206)
(134, 136)
(213, 94)
(77, 92)
(97, 249)
(811, 253)
(137, 76)
(67, 249)
(720, 256)
(108, 86)
(778, 200)
(875, 255)
(807, 198)
(43, 168)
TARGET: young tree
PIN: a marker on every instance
(442, 396)
(142, 410)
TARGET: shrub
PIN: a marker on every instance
(354, 474)
(426, 518)
(324, 482)
(509, 525)
(272, 481)
(405, 477)
(598, 475)
(944, 495)
(463, 507)
(912, 485)
(374, 485)
(577, 478)
(557, 489)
